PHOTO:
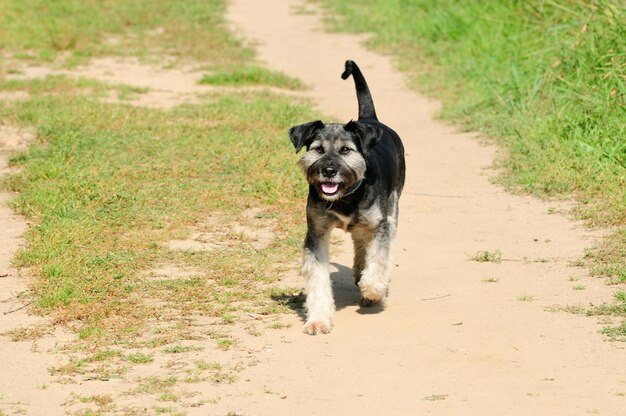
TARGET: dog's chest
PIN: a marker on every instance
(369, 218)
(345, 222)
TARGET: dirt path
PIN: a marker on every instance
(448, 342)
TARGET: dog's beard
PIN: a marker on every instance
(332, 188)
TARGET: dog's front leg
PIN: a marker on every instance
(317, 286)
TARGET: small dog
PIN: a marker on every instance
(355, 173)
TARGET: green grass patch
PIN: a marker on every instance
(250, 75)
(608, 258)
(611, 311)
(545, 78)
(487, 256)
(139, 358)
(74, 30)
(107, 185)
(178, 349)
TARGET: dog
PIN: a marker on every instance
(355, 173)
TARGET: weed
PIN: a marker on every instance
(224, 343)
(487, 256)
(607, 258)
(151, 385)
(104, 355)
(100, 400)
(525, 298)
(229, 319)
(139, 358)
(30, 333)
(578, 287)
(541, 260)
(89, 332)
(490, 280)
(168, 397)
(251, 75)
(617, 333)
(605, 310)
(202, 365)
(177, 349)
(280, 325)
(435, 397)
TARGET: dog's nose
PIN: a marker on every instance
(329, 172)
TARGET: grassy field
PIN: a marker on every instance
(546, 78)
(69, 32)
(108, 184)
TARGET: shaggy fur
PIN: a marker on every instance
(355, 173)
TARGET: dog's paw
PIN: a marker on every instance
(371, 295)
(317, 327)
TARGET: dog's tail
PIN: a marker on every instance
(363, 95)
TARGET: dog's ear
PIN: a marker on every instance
(368, 135)
(303, 134)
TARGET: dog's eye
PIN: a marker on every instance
(319, 149)
(345, 150)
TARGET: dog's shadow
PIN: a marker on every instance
(345, 293)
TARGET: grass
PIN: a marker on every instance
(487, 256)
(610, 311)
(252, 75)
(435, 397)
(178, 349)
(546, 78)
(608, 259)
(107, 185)
(71, 32)
(139, 358)
(29, 333)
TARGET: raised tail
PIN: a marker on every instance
(363, 95)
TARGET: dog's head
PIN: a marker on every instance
(336, 154)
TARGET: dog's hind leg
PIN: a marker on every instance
(360, 241)
(317, 286)
(378, 257)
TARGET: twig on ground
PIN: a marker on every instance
(436, 297)
(17, 309)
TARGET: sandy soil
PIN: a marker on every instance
(447, 342)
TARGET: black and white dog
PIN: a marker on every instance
(355, 173)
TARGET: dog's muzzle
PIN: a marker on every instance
(328, 185)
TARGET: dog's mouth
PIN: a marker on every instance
(329, 188)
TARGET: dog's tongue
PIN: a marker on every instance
(330, 188)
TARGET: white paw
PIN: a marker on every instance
(315, 327)
(371, 294)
